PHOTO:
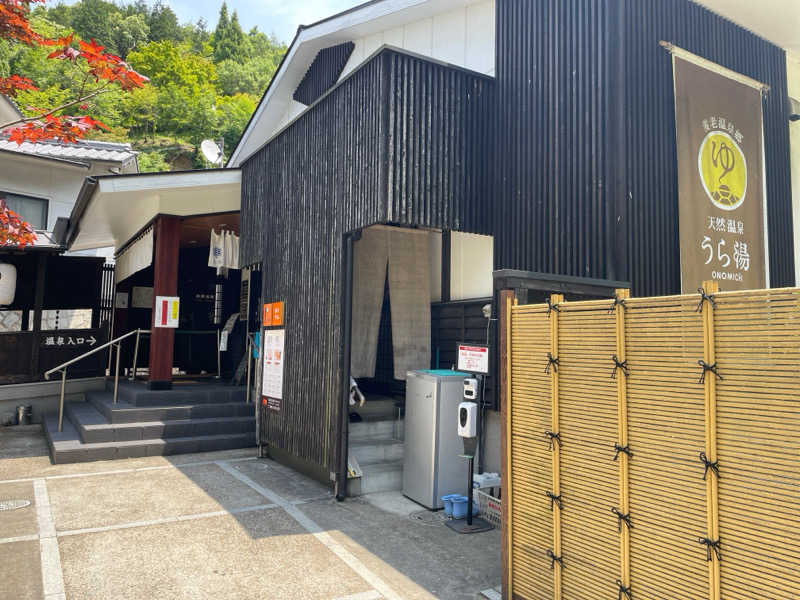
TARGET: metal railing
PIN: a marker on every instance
(115, 342)
(250, 346)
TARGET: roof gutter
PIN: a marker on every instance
(90, 185)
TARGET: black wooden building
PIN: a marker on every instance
(567, 157)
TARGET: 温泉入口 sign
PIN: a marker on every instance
(718, 122)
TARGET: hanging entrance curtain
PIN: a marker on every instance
(137, 256)
(405, 252)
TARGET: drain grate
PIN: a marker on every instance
(13, 504)
(428, 517)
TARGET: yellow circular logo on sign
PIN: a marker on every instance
(723, 170)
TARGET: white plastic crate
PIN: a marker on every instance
(490, 507)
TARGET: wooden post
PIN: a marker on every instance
(38, 303)
(555, 300)
(712, 483)
(622, 441)
(166, 231)
(506, 299)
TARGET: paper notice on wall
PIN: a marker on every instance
(473, 359)
(167, 311)
(272, 373)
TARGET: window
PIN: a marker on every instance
(32, 210)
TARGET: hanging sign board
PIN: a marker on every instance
(272, 373)
(167, 311)
(142, 297)
(273, 314)
(721, 187)
(473, 359)
(121, 300)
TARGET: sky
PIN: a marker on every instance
(280, 17)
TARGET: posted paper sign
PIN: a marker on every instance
(473, 359)
(272, 374)
(167, 311)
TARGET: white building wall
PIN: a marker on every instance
(464, 37)
(471, 265)
(793, 79)
(57, 183)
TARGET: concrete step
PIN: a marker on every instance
(67, 447)
(137, 394)
(369, 452)
(373, 430)
(93, 427)
(377, 477)
(377, 409)
(123, 412)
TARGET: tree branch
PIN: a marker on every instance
(78, 100)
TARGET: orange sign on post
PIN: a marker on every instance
(273, 315)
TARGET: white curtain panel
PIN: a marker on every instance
(370, 257)
(216, 250)
(137, 256)
(410, 299)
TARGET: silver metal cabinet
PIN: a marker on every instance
(432, 466)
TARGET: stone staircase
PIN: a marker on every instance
(188, 418)
(377, 445)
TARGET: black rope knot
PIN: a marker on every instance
(552, 361)
(552, 307)
(554, 437)
(624, 590)
(710, 545)
(622, 517)
(625, 449)
(714, 466)
(703, 298)
(617, 302)
(554, 500)
(619, 365)
(555, 559)
(706, 368)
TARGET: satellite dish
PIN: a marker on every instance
(211, 151)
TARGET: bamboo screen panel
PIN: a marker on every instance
(666, 422)
(531, 417)
(758, 354)
(588, 426)
(694, 443)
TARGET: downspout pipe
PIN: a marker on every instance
(347, 340)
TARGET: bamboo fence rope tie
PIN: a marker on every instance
(553, 311)
(706, 306)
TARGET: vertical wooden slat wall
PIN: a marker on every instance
(678, 476)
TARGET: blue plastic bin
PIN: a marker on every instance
(448, 504)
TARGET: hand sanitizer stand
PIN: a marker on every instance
(468, 416)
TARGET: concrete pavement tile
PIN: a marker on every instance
(263, 554)
(21, 571)
(102, 500)
(20, 521)
(285, 482)
(448, 565)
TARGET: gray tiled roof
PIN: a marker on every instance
(81, 150)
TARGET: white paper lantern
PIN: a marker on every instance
(8, 283)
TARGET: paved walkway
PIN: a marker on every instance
(218, 525)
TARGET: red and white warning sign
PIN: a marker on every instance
(167, 311)
(473, 359)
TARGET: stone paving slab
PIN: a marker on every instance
(264, 554)
(282, 480)
(21, 521)
(20, 571)
(145, 495)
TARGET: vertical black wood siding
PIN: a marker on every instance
(395, 142)
(585, 155)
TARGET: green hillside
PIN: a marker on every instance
(203, 83)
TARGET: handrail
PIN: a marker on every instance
(93, 350)
(63, 367)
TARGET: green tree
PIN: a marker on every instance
(91, 19)
(150, 162)
(128, 32)
(232, 115)
(230, 43)
(163, 23)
